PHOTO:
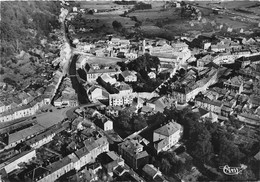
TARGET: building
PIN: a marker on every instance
(205, 114)
(204, 60)
(133, 153)
(22, 135)
(108, 79)
(93, 74)
(187, 90)
(159, 103)
(127, 76)
(22, 111)
(13, 163)
(219, 47)
(234, 84)
(121, 99)
(97, 92)
(113, 110)
(167, 136)
(45, 137)
(152, 173)
(249, 118)
(103, 122)
(210, 105)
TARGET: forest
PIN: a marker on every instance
(23, 24)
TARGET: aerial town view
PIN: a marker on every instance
(129, 91)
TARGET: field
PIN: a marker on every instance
(160, 22)
(99, 5)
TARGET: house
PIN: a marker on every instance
(167, 136)
(37, 173)
(108, 79)
(159, 103)
(96, 92)
(2, 107)
(121, 99)
(45, 137)
(131, 55)
(226, 110)
(257, 156)
(24, 134)
(190, 175)
(124, 88)
(103, 122)
(219, 47)
(249, 118)
(205, 114)
(138, 102)
(113, 163)
(13, 163)
(119, 41)
(74, 9)
(19, 112)
(234, 84)
(254, 101)
(113, 110)
(151, 173)
(210, 105)
(127, 76)
(204, 60)
(152, 75)
(26, 98)
(133, 153)
(93, 74)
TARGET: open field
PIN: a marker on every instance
(99, 5)
(108, 19)
(158, 22)
(152, 14)
(227, 4)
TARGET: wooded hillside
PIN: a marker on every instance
(24, 23)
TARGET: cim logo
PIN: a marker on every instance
(232, 170)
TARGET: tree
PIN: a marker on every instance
(116, 25)
(200, 143)
(166, 166)
(229, 153)
(138, 24)
(2, 71)
(138, 122)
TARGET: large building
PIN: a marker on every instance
(121, 99)
(133, 153)
(167, 136)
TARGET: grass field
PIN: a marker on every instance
(158, 21)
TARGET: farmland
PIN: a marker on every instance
(165, 20)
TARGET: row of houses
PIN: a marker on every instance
(53, 171)
(184, 93)
(30, 105)
(26, 110)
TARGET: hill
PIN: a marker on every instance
(24, 23)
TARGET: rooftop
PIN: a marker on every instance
(168, 129)
(22, 134)
(150, 170)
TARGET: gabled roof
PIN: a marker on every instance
(59, 164)
(150, 170)
(257, 156)
(168, 129)
(127, 73)
(22, 134)
(81, 152)
(37, 172)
